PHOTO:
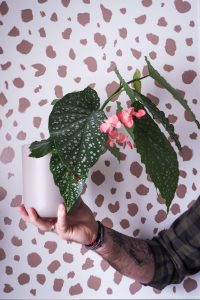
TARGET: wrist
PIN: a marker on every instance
(98, 240)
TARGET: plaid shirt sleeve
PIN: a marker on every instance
(177, 249)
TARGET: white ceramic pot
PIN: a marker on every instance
(39, 189)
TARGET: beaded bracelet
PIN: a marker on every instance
(97, 243)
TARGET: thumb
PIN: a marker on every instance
(61, 225)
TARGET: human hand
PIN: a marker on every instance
(77, 225)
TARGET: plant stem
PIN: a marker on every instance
(119, 90)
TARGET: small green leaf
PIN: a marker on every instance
(115, 151)
(131, 132)
(137, 85)
(119, 107)
(126, 87)
(74, 127)
(158, 155)
(41, 148)
(54, 101)
(162, 81)
(69, 185)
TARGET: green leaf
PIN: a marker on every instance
(156, 113)
(69, 185)
(162, 81)
(40, 148)
(159, 115)
(74, 127)
(115, 151)
(54, 101)
(158, 155)
(119, 107)
(137, 85)
(126, 87)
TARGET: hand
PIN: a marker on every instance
(78, 225)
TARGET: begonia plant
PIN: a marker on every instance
(80, 132)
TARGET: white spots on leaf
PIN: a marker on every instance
(74, 126)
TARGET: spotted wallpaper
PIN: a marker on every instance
(50, 48)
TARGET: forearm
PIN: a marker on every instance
(130, 256)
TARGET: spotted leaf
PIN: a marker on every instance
(74, 127)
(70, 186)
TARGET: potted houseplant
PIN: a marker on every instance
(80, 131)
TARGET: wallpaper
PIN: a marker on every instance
(50, 48)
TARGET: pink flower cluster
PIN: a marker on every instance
(113, 123)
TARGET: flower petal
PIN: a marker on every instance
(104, 127)
(120, 115)
(140, 113)
(113, 134)
(121, 137)
(110, 143)
(118, 125)
(113, 120)
(129, 122)
(130, 110)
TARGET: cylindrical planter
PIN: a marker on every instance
(39, 189)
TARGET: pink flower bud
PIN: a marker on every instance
(125, 116)
(140, 113)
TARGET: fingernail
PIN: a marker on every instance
(61, 208)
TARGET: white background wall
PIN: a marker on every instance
(40, 266)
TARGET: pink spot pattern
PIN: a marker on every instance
(48, 51)
(24, 47)
(91, 63)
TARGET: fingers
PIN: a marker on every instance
(34, 218)
(23, 212)
(30, 215)
(45, 224)
(41, 223)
